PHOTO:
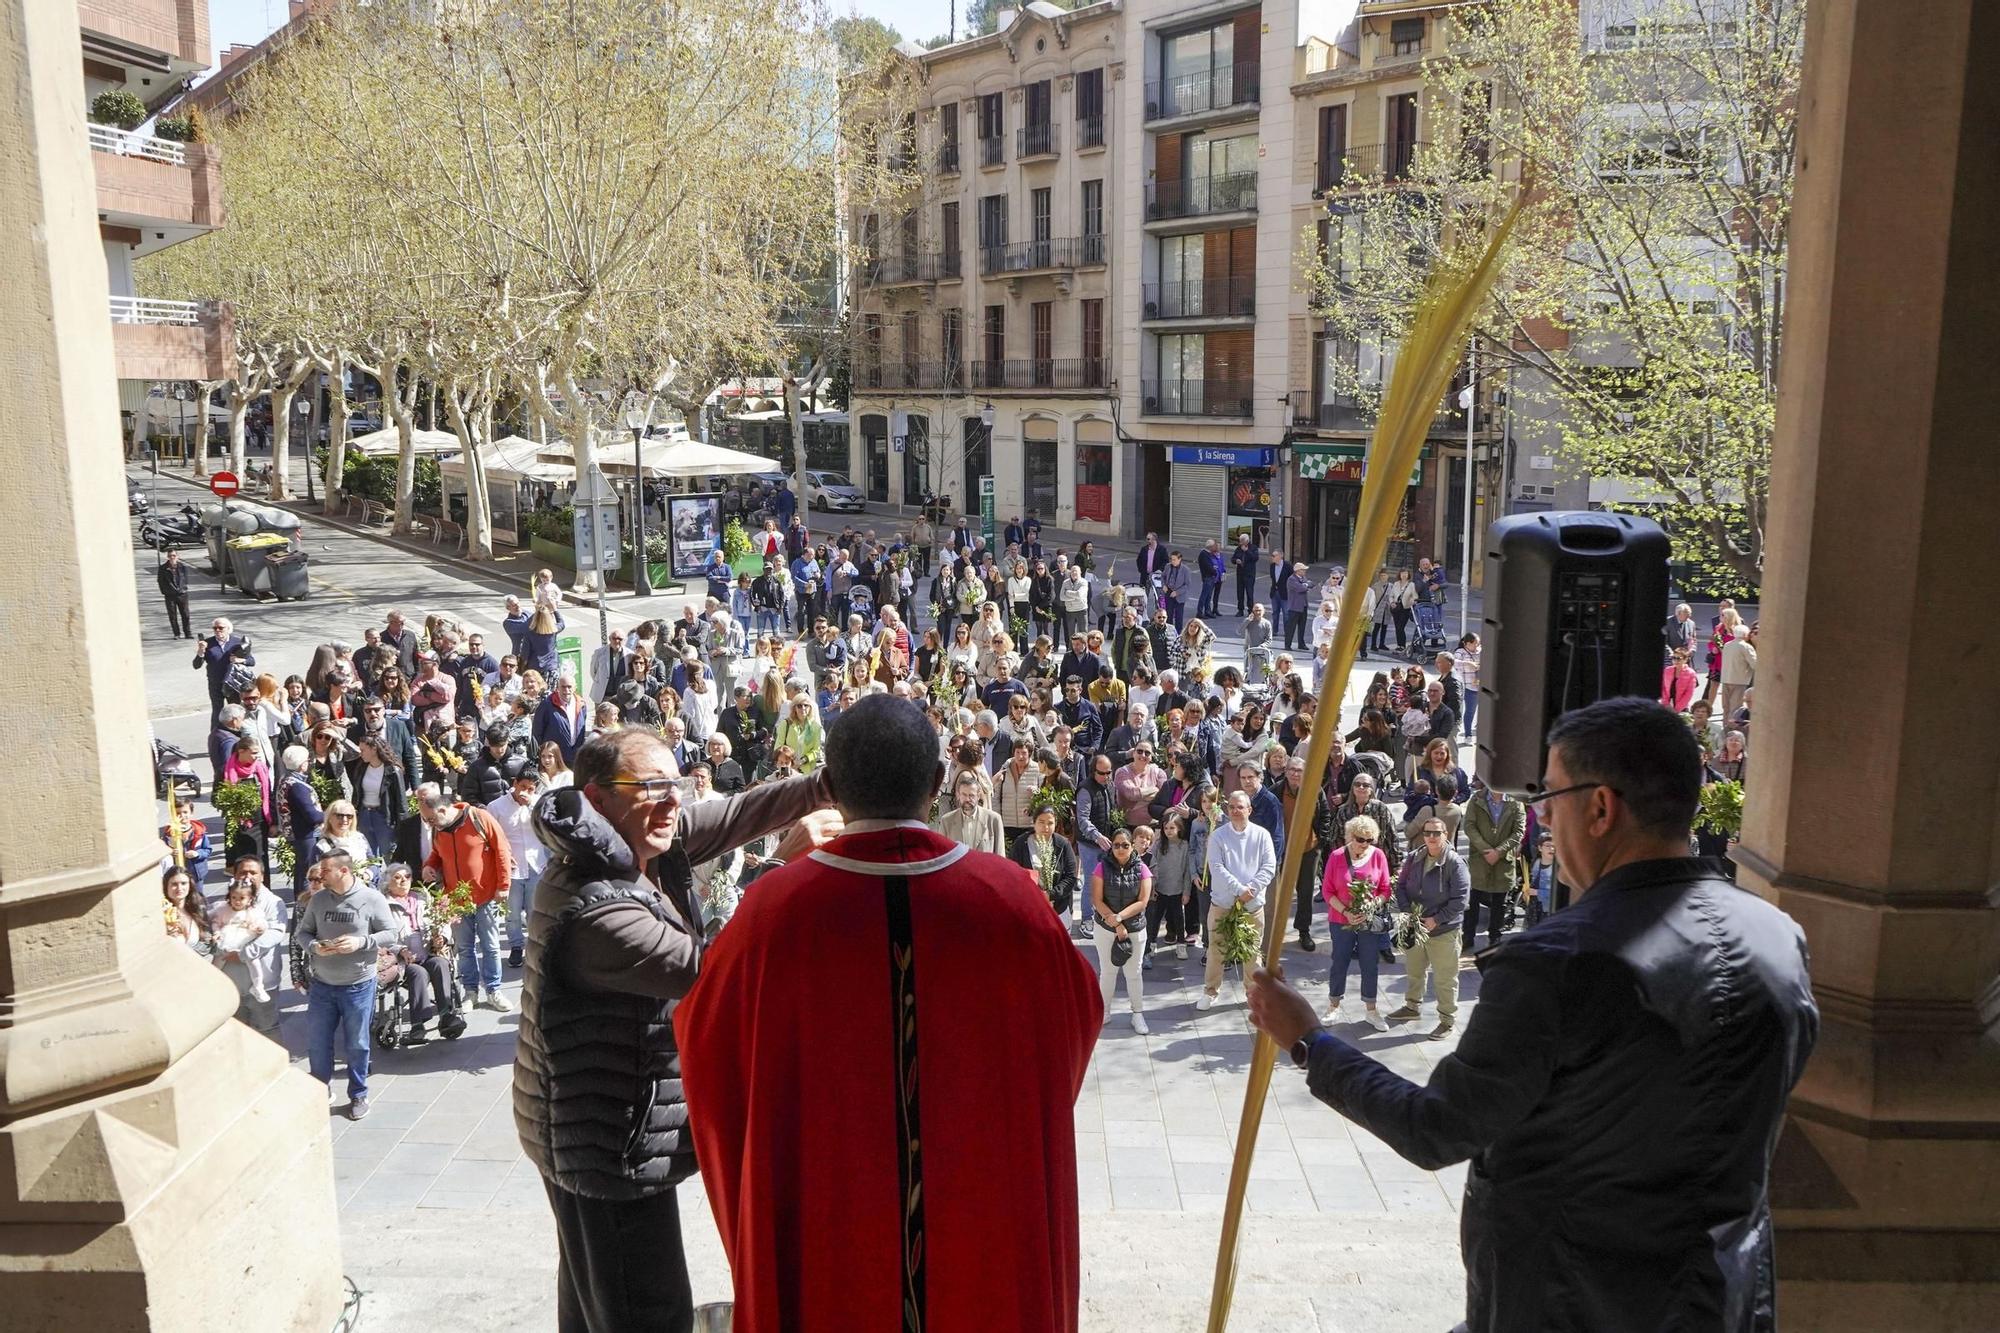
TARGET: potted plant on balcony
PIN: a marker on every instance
(175, 129)
(120, 107)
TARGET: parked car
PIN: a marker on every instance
(831, 490)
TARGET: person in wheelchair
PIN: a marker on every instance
(415, 977)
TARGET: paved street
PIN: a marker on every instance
(1338, 1221)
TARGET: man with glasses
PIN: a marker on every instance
(1434, 883)
(1623, 1079)
(1095, 802)
(614, 942)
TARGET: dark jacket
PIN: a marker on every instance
(173, 579)
(395, 791)
(1085, 723)
(1329, 825)
(1066, 882)
(218, 656)
(597, 1073)
(487, 779)
(1619, 1091)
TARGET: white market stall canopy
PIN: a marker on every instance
(377, 443)
(683, 458)
(608, 441)
(515, 458)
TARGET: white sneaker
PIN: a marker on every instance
(1335, 1013)
(1205, 1003)
(1376, 1021)
(1180, 951)
(1139, 1023)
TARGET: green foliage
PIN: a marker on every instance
(241, 804)
(120, 107)
(375, 479)
(553, 525)
(326, 787)
(862, 41)
(1062, 800)
(735, 541)
(1237, 939)
(178, 129)
(1722, 807)
(450, 906)
(1017, 630)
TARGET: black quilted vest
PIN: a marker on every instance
(597, 1075)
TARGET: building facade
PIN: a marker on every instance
(152, 191)
(983, 310)
(1111, 263)
(1363, 117)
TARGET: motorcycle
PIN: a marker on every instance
(136, 502)
(937, 508)
(167, 532)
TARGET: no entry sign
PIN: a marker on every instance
(224, 484)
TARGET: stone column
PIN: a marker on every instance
(1874, 815)
(160, 1165)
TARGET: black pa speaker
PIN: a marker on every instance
(1573, 609)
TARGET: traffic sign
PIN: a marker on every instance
(224, 484)
(597, 538)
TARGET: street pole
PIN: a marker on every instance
(642, 579)
(1465, 549)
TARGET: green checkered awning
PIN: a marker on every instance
(1316, 459)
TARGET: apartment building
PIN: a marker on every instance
(982, 311)
(1364, 117)
(152, 192)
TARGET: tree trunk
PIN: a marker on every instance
(336, 435)
(399, 409)
(204, 388)
(239, 450)
(281, 438)
(583, 445)
(478, 504)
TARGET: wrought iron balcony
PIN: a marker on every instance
(947, 159)
(1195, 398)
(992, 151)
(1202, 196)
(897, 270)
(1034, 256)
(1230, 297)
(1090, 131)
(1035, 141)
(1051, 373)
(1210, 90)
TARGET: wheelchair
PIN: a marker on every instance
(392, 1025)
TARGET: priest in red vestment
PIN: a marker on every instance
(881, 1060)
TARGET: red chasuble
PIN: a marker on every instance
(881, 1059)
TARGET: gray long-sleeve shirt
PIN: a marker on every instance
(330, 915)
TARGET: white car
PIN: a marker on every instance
(831, 490)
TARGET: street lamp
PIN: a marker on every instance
(636, 417)
(305, 412)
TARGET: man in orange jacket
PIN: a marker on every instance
(470, 848)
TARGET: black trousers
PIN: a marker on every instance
(620, 1266)
(1493, 903)
(177, 616)
(1174, 911)
(1295, 631)
(1305, 901)
(1246, 594)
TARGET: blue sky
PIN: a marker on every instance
(248, 21)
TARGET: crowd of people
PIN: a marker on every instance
(1091, 731)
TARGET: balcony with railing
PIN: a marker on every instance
(1210, 90)
(992, 151)
(1231, 297)
(1089, 132)
(146, 180)
(947, 159)
(1195, 398)
(913, 376)
(1036, 141)
(1202, 196)
(905, 269)
(1035, 256)
(1365, 165)
(170, 340)
(1336, 411)
(1054, 374)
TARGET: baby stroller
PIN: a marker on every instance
(171, 771)
(1429, 639)
(393, 1025)
(861, 602)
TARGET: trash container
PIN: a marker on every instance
(250, 560)
(290, 579)
(214, 535)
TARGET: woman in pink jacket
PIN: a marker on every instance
(1678, 682)
(1356, 871)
